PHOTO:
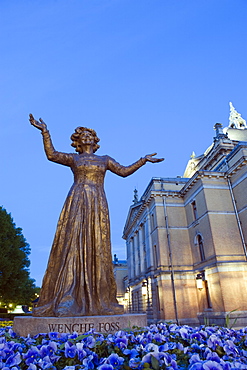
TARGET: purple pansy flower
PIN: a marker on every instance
(53, 335)
(88, 362)
(115, 360)
(151, 347)
(80, 351)
(134, 362)
(121, 342)
(184, 333)
(32, 367)
(13, 360)
(106, 367)
(194, 359)
(214, 341)
(32, 355)
(70, 350)
(90, 341)
(131, 352)
(212, 365)
(230, 348)
(196, 366)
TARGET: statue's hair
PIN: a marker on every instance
(75, 137)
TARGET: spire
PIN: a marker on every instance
(235, 119)
(135, 200)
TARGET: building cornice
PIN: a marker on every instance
(200, 175)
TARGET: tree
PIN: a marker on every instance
(16, 286)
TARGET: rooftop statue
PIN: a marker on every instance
(79, 278)
(235, 119)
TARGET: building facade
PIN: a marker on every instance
(186, 237)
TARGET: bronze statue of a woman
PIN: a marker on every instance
(79, 278)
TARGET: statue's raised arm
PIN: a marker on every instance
(51, 153)
(125, 171)
(40, 124)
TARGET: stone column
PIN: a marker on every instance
(135, 254)
(138, 252)
(150, 258)
(133, 257)
(129, 262)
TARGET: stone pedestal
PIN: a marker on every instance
(24, 325)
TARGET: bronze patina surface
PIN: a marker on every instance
(79, 278)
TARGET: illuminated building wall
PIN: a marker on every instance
(186, 238)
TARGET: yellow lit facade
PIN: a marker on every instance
(186, 238)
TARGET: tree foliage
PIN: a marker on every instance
(16, 286)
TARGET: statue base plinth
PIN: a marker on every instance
(24, 325)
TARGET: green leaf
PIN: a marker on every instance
(155, 363)
(80, 337)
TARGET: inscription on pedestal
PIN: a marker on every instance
(101, 327)
(83, 324)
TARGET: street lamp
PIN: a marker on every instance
(144, 288)
(126, 294)
(199, 280)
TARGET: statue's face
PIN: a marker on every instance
(86, 140)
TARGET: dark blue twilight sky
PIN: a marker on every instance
(147, 75)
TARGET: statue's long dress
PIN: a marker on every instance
(79, 278)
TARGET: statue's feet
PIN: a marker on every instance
(114, 309)
(118, 309)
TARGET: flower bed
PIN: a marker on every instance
(155, 347)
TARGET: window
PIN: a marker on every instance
(155, 256)
(152, 222)
(194, 210)
(201, 247)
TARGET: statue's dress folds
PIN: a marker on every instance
(79, 278)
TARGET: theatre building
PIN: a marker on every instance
(186, 237)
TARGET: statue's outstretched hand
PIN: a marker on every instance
(149, 158)
(38, 124)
